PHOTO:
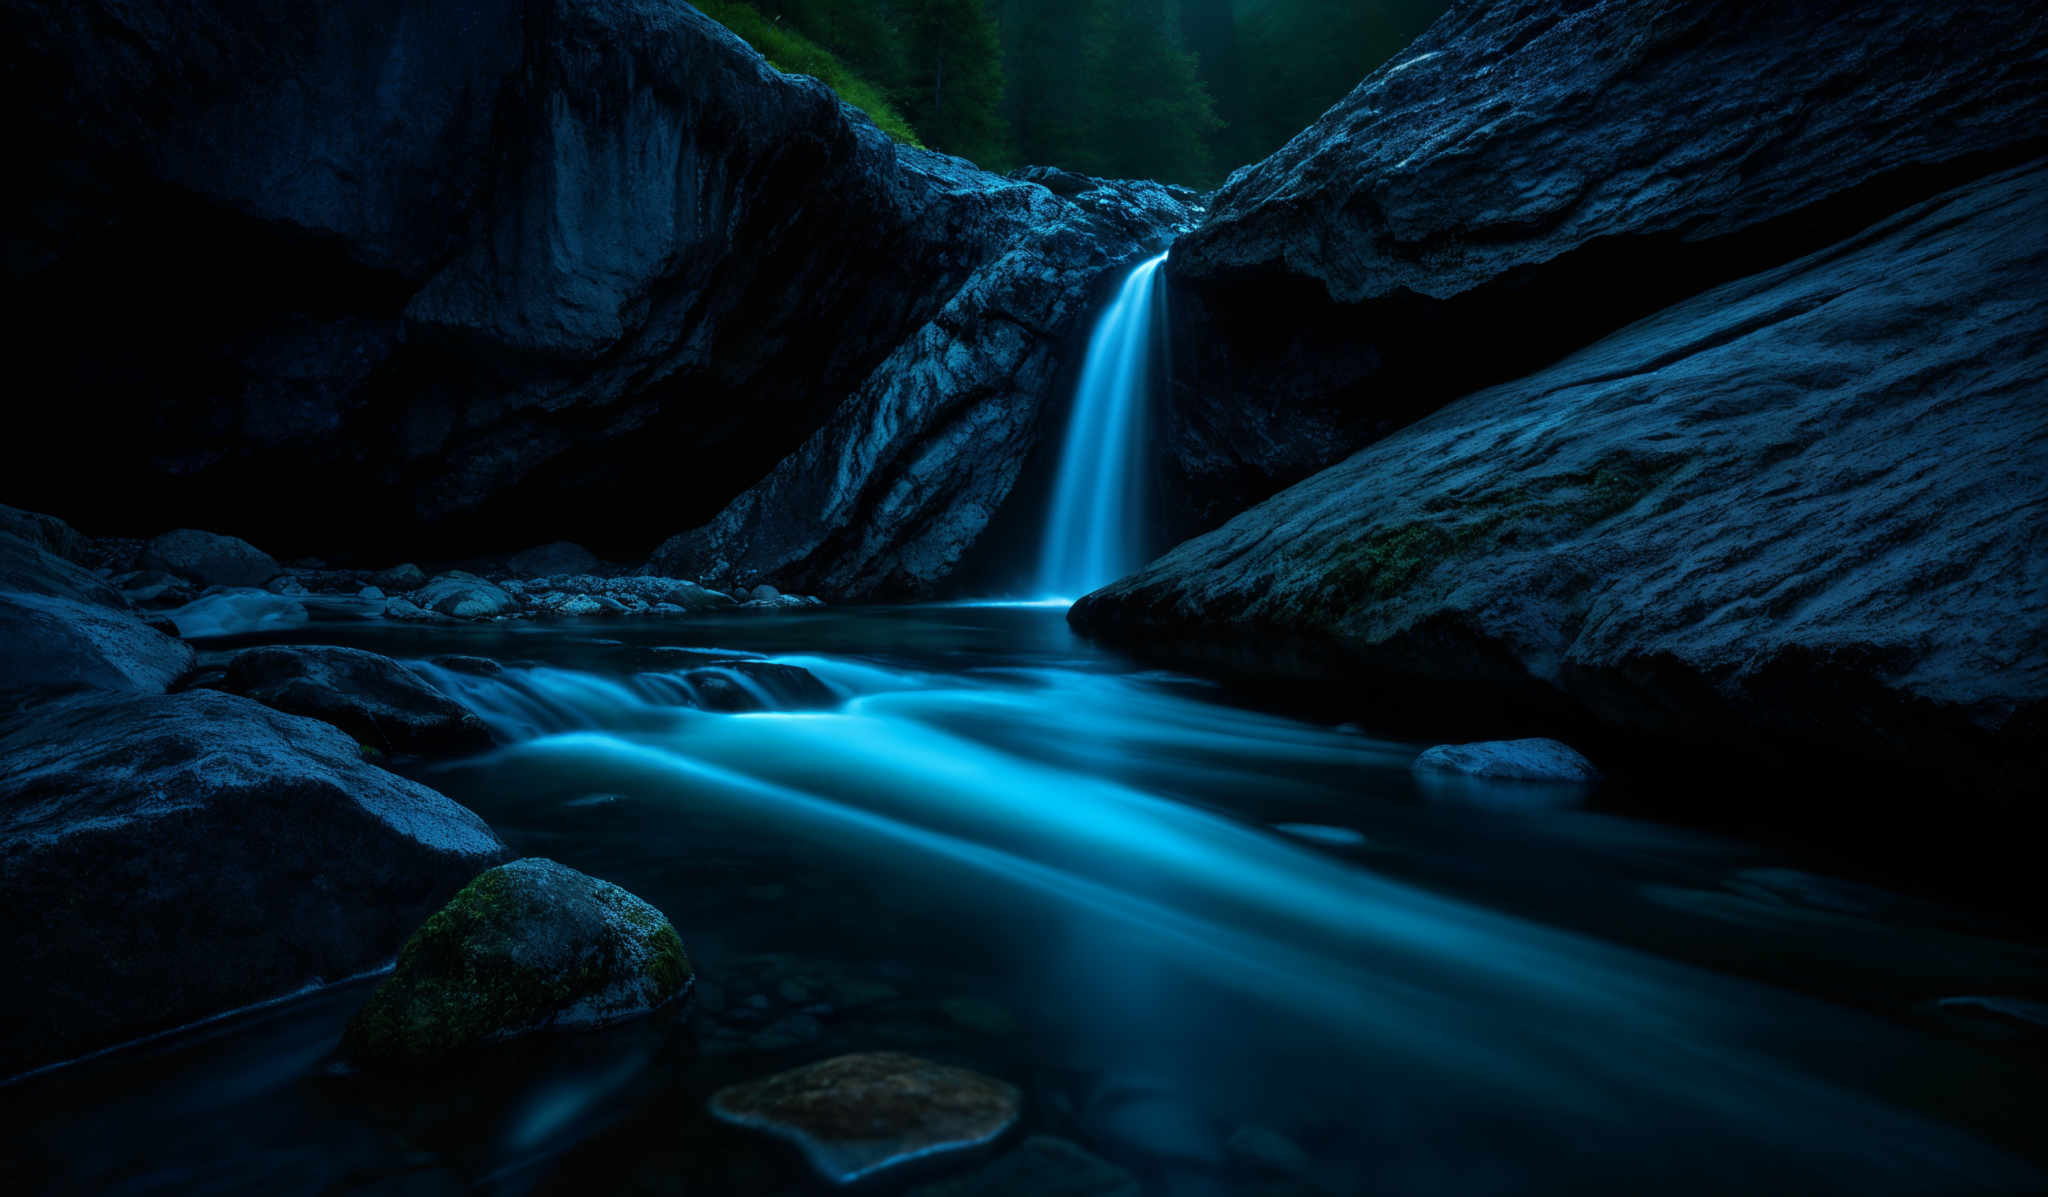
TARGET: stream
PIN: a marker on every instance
(1227, 949)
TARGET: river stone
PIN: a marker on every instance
(62, 643)
(400, 579)
(168, 857)
(857, 1116)
(379, 701)
(28, 568)
(1510, 760)
(528, 946)
(155, 588)
(209, 559)
(1040, 1166)
(463, 596)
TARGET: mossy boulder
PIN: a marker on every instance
(528, 946)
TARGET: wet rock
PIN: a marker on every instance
(375, 699)
(462, 595)
(46, 532)
(63, 628)
(561, 557)
(400, 579)
(407, 611)
(370, 592)
(154, 588)
(168, 857)
(1780, 518)
(59, 643)
(528, 946)
(237, 612)
(754, 686)
(1510, 760)
(764, 592)
(859, 1116)
(1548, 177)
(209, 559)
(1040, 1166)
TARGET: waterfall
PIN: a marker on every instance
(1091, 534)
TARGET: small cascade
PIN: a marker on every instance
(1092, 530)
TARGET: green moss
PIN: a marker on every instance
(462, 979)
(793, 53)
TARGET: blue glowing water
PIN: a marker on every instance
(1174, 920)
(1093, 528)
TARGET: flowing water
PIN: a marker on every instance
(1230, 950)
(1092, 531)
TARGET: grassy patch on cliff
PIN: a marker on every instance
(793, 53)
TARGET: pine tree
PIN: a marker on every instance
(954, 89)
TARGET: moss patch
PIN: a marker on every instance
(514, 951)
(793, 53)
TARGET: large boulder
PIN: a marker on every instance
(527, 946)
(46, 532)
(379, 701)
(168, 857)
(1796, 516)
(63, 628)
(463, 596)
(474, 266)
(861, 1116)
(209, 559)
(1529, 176)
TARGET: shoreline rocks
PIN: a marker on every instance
(168, 857)
(526, 947)
(379, 701)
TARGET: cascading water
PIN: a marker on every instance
(1091, 534)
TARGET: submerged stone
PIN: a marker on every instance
(463, 596)
(528, 946)
(859, 1115)
(1511, 760)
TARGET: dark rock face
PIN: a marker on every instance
(527, 946)
(1800, 513)
(167, 857)
(570, 268)
(888, 496)
(209, 559)
(373, 698)
(1529, 176)
(63, 628)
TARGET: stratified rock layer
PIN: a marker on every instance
(1531, 175)
(1800, 513)
(168, 857)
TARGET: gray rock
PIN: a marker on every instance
(1040, 1166)
(860, 1116)
(1522, 180)
(377, 700)
(561, 557)
(154, 588)
(1800, 508)
(400, 579)
(528, 946)
(764, 592)
(168, 857)
(61, 643)
(370, 592)
(46, 532)
(407, 611)
(1510, 760)
(209, 559)
(63, 628)
(462, 595)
